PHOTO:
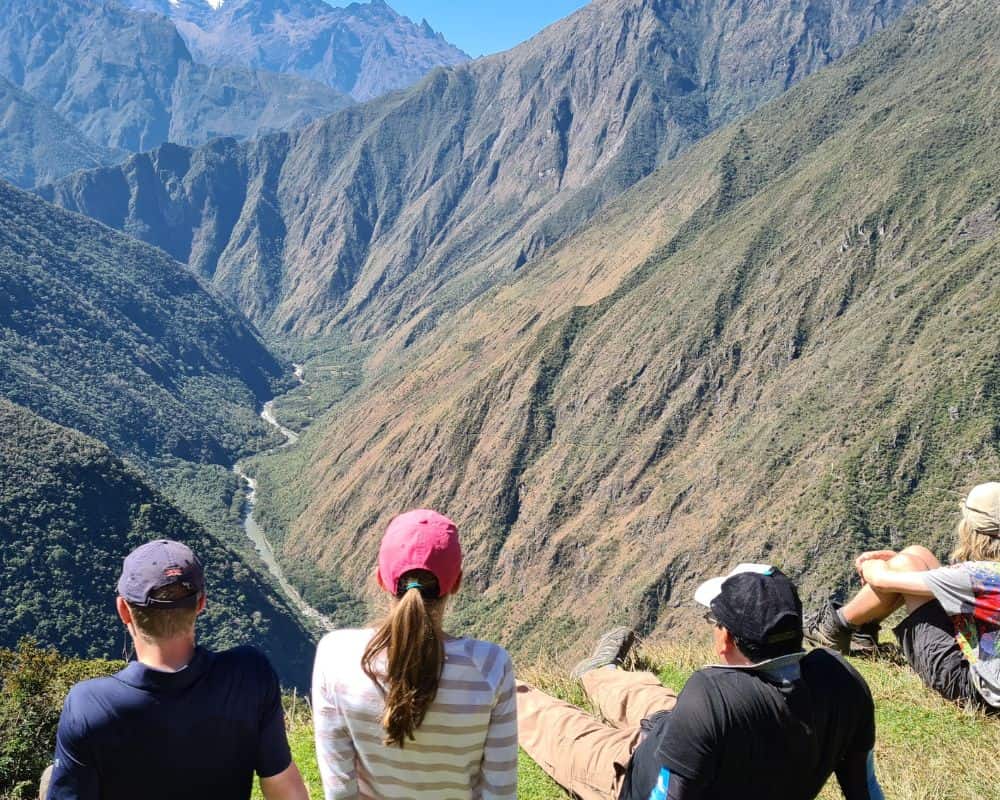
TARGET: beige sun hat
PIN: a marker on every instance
(981, 509)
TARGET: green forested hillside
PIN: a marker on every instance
(103, 334)
(112, 338)
(70, 510)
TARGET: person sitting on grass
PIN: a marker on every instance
(951, 633)
(181, 721)
(769, 721)
(405, 710)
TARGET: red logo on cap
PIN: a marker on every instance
(173, 572)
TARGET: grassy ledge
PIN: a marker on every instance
(921, 738)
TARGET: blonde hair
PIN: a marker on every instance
(413, 642)
(154, 624)
(973, 546)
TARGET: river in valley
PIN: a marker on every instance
(256, 533)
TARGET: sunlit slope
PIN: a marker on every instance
(784, 348)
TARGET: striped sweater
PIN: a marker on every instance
(466, 748)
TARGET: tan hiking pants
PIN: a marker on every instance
(585, 756)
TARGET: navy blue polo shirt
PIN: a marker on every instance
(199, 733)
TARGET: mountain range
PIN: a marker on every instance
(392, 214)
(671, 285)
(780, 347)
(128, 81)
(364, 50)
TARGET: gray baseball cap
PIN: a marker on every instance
(981, 509)
(156, 565)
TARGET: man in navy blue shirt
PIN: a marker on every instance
(181, 721)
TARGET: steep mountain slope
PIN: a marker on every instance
(37, 145)
(128, 82)
(401, 210)
(107, 335)
(783, 346)
(364, 50)
(70, 511)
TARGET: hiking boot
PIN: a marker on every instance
(824, 629)
(611, 649)
(864, 640)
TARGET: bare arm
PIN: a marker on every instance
(880, 555)
(285, 785)
(877, 575)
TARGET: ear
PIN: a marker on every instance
(458, 584)
(201, 603)
(722, 643)
(378, 578)
(124, 613)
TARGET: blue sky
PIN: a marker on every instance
(481, 27)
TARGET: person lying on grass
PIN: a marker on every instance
(952, 630)
(768, 721)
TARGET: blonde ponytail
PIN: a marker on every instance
(414, 647)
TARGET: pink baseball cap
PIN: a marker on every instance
(420, 539)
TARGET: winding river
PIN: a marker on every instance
(256, 533)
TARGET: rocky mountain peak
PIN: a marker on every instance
(128, 81)
(363, 49)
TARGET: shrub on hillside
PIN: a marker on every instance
(33, 684)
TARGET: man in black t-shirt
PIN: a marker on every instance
(768, 721)
(180, 721)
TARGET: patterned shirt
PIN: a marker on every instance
(970, 594)
(465, 749)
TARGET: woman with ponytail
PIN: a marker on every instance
(405, 710)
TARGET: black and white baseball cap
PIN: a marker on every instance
(756, 603)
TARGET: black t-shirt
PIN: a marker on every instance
(200, 732)
(748, 734)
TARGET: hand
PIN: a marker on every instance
(872, 555)
(871, 570)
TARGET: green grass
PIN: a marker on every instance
(923, 741)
